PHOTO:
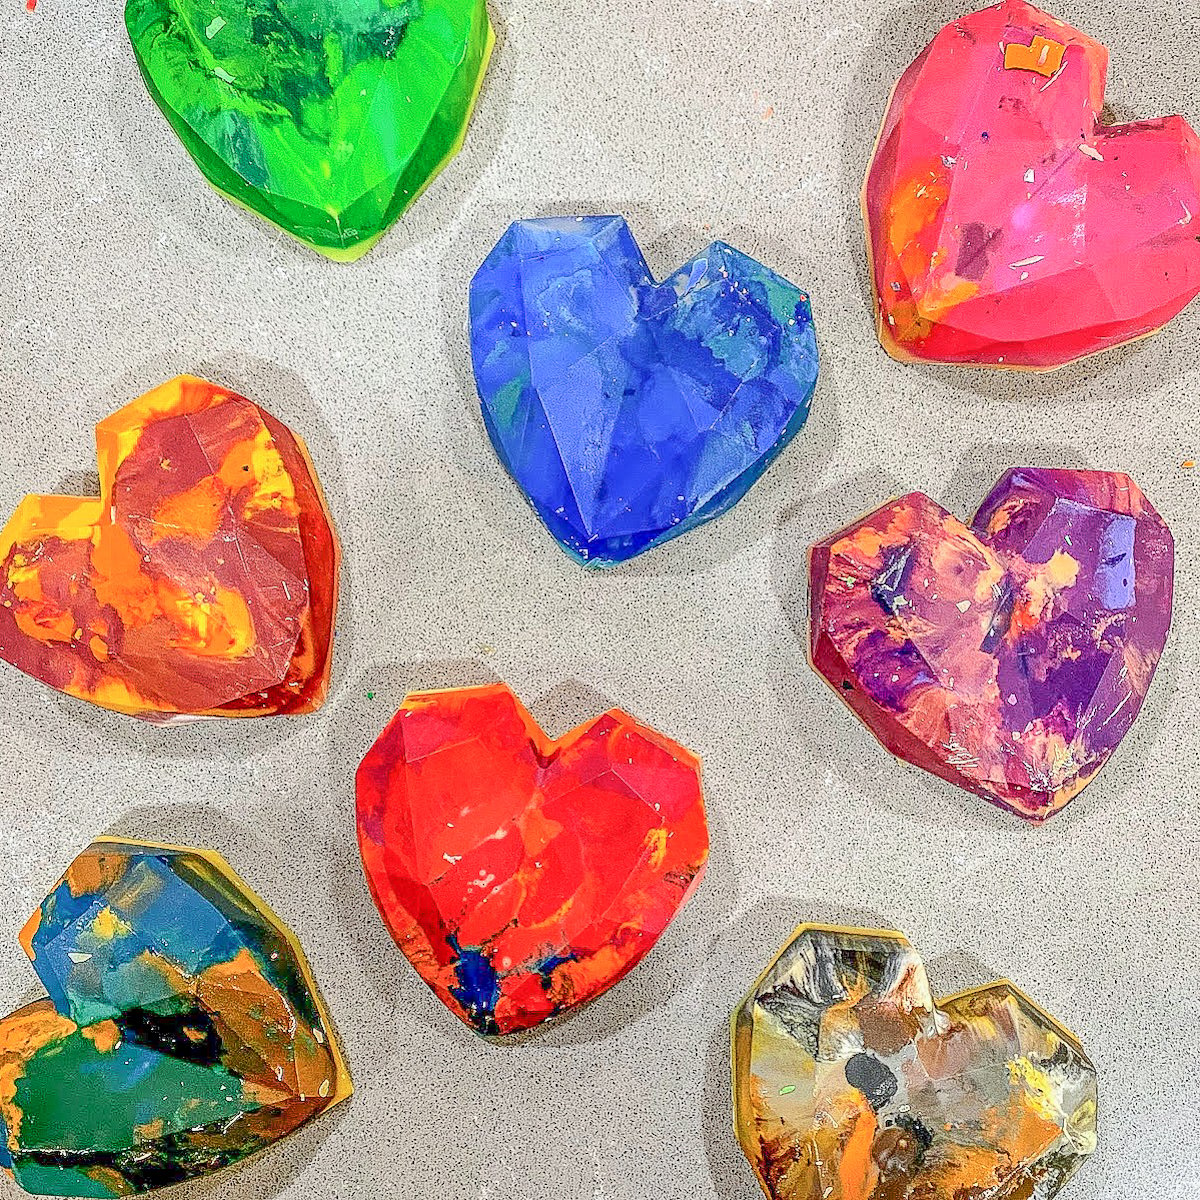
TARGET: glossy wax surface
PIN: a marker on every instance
(1008, 223)
(327, 117)
(202, 581)
(699, 120)
(631, 411)
(183, 1031)
(1010, 657)
(523, 875)
(852, 1083)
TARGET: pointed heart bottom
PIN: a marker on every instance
(850, 1083)
(202, 582)
(1006, 225)
(524, 876)
(630, 411)
(1009, 658)
(183, 1032)
(326, 117)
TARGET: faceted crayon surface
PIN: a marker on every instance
(202, 581)
(630, 411)
(520, 875)
(327, 117)
(1006, 225)
(1010, 657)
(183, 1032)
(851, 1083)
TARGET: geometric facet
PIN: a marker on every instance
(523, 876)
(630, 411)
(1011, 657)
(326, 117)
(184, 1030)
(851, 1083)
(201, 582)
(1006, 225)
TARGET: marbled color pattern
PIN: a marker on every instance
(201, 582)
(523, 875)
(1010, 657)
(327, 117)
(630, 411)
(1008, 226)
(851, 1083)
(183, 1031)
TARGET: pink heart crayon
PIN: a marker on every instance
(1006, 224)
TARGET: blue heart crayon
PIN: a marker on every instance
(630, 411)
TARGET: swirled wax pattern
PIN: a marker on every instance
(1010, 657)
(202, 581)
(1008, 226)
(852, 1083)
(630, 411)
(183, 1030)
(326, 117)
(524, 875)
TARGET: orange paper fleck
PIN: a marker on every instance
(1043, 56)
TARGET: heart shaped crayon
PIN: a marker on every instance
(183, 1031)
(201, 582)
(1007, 226)
(522, 875)
(326, 117)
(1010, 657)
(630, 411)
(851, 1083)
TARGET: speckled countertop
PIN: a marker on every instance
(750, 121)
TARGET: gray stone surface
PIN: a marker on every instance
(749, 120)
